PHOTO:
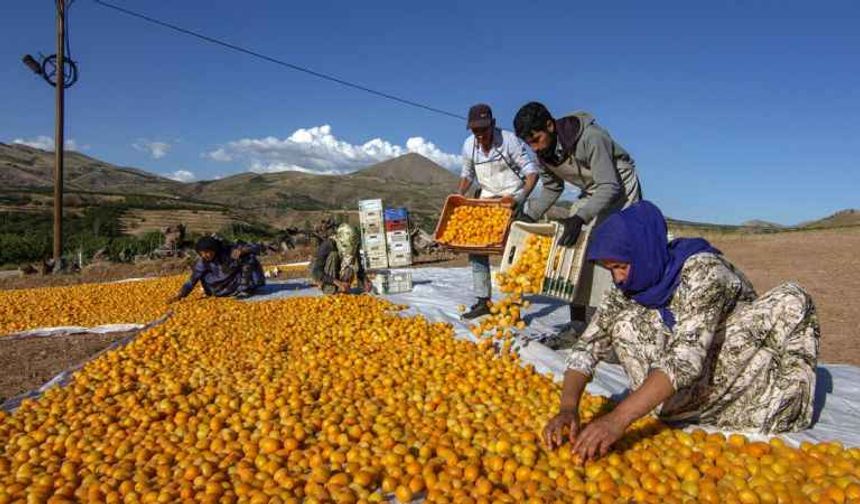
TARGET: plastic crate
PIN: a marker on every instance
(376, 261)
(374, 205)
(370, 217)
(519, 233)
(372, 228)
(390, 282)
(398, 247)
(564, 266)
(397, 236)
(399, 259)
(395, 214)
(398, 225)
(455, 200)
(371, 239)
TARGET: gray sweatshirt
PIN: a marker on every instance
(588, 158)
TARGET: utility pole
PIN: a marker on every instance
(59, 140)
(53, 70)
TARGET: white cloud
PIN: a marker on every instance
(45, 142)
(155, 149)
(182, 176)
(429, 150)
(318, 150)
(219, 154)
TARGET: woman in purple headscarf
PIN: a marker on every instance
(696, 342)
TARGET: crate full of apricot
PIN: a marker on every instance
(474, 225)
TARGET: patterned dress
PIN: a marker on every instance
(736, 361)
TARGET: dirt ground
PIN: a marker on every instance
(27, 363)
(825, 262)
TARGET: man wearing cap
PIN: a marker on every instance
(502, 166)
(575, 150)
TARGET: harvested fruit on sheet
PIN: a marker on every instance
(339, 399)
(86, 305)
(524, 277)
(477, 225)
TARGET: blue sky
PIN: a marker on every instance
(732, 110)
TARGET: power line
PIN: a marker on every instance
(276, 61)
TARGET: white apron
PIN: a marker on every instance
(497, 176)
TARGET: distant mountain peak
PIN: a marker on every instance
(758, 223)
(411, 167)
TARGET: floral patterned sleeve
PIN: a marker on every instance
(705, 297)
(595, 343)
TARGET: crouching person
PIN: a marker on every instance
(337, 263)
(696, 342)
(224, 270)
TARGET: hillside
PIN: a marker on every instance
(762, 224)
(23, 167)
(842, 218)
(279, 199)
(411, 180)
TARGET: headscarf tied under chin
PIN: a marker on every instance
(637, 236)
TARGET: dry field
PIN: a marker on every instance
(826, 263)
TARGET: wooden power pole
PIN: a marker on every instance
(59, 140)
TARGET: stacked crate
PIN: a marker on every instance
(397, 236)
(372, 233)
(391, 282)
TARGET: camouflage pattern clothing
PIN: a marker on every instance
(735, 360)
(337, 258)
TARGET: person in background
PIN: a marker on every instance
(337, 264)
(502, 166)
(575, 150)
(224, 270)
(696, 342)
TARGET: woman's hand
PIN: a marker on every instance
(598, 436)
(553, 433)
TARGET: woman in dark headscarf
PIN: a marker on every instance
(224, 269)
(696, 342)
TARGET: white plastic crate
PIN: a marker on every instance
(390, 282)
(372, 239)
(371, 205)
(397, 236)
(370, 217)
(517, 236)
(564, 266)
(377, 261)
(397, 259)
(398, 247)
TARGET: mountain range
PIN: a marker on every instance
(411, 181)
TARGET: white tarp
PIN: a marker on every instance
(438, 291)
(65, 376)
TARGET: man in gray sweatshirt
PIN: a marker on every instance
(575, 150)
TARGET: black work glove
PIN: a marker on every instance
(572, 228)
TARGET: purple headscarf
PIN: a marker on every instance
(637, 236)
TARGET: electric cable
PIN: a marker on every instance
(277, 61)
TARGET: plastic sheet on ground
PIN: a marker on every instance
(63, 377)
(66, 330)
(438, 291)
